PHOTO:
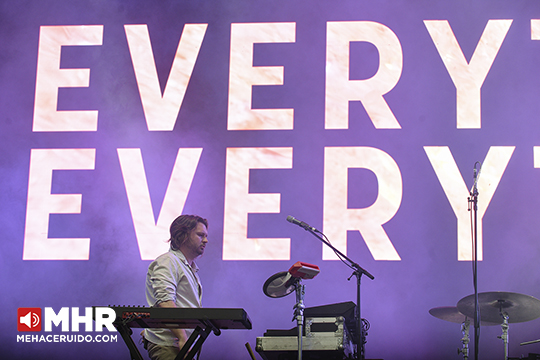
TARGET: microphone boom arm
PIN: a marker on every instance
(354, 265)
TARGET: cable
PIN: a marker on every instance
(337, 253)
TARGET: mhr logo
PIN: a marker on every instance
(31, 319)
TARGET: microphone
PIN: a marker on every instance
(476, 176)
(300, 223)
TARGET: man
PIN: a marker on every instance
(172, 281)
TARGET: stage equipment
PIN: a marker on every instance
(345, 309)
(502, 308)
(452, 314)
(283, 283)
(325, 338)
(358, 271)
(211, 319)
(329, 334)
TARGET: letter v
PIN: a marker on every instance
(161, 111)
(151, 236)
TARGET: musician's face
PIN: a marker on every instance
(198, 238)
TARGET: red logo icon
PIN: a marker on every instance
(29, 319)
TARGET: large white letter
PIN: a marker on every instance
(536, 156)
(468, 77)
(239, 203)
(50, 317)
(243, 75)
(161, 111)
(457, 193)
(50, 77)
(340, 90)
(152, 236)
(369, 221)
(104, 317)
(77, 319)
(535, 29)
(41, 203)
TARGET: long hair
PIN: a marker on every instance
(181, 227)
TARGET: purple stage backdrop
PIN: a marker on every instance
(365, 119)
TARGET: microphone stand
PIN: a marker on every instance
(299, 314)
(473, 199)
(358, 272)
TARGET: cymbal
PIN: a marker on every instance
(448, 313)
(452, 314)
(519, 307)
(279, 285)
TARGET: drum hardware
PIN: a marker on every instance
(504, 336)
(501, 308)
(529, 342)
(465, 339)
(452, 314)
